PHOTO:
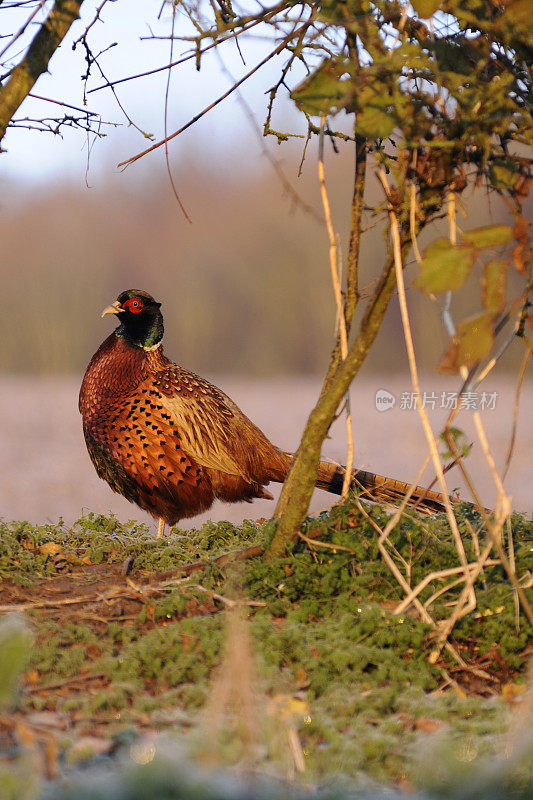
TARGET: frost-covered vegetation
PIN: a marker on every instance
(128, 640)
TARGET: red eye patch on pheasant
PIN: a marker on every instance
(135, 305)
(171, 442)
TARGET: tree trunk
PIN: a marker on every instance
(297, 490)
(351, 295)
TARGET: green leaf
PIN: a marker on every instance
(503, 174)
(325, 91)
(425, 8)
(375, 123)
(475, 336)
(494, 284)
(471, 343)
(445, 267)
(455, 59)
(458, 436)
(489, 236)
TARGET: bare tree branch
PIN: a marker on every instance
(212, 105)
(24, 76)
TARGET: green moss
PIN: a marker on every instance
(327, 629)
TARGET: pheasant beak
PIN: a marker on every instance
(114, 308)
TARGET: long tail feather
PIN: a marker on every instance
(379, 488)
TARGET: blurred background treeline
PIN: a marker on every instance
(245, 288)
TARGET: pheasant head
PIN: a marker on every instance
(141, 321)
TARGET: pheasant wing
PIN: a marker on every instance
(210, 425)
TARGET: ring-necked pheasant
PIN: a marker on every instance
(171, 442)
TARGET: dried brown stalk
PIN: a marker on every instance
(343, 334)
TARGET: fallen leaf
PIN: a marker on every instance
(428, 725)
(50, 549)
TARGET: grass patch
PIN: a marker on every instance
(139, 651)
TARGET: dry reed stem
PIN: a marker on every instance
(443, 573)
(296, 748)
(464, 606)
(474, 535)
(512, 562)
(503, 500)
(447, 588)
(467, 599)
(232, 699)
(338, 300)
(424, 614)
(520, 380)
(395, 233)
(466, 602)
(503, 510)
(452, 219)
(396, 516)
(167, 90)
(384, 534)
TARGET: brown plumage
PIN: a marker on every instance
(171, 442)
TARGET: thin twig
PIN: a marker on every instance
(167, 89)
(424, 614)
(21, 30)
(226, 600)
(94, 20)
(276, 165)
(503, 503)
(236, 555)
(512, 562)
(327, 545)
(66, 105)
(212, 105)
(196, 54)
(112, 594)
(443, 573)
(395, 233)
(521, 375)
(412, 223)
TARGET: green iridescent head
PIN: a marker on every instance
(141, 321)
